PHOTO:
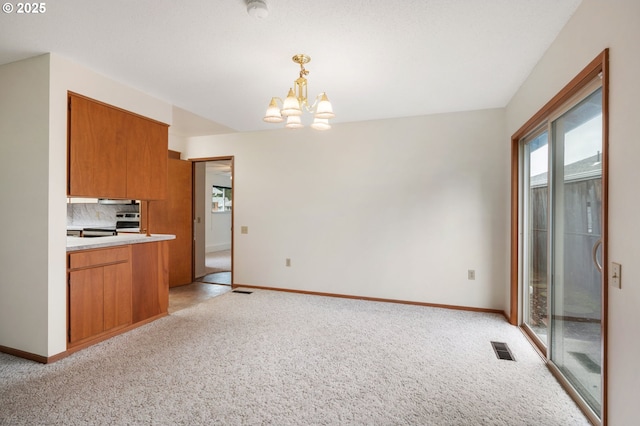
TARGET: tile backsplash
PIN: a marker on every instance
(94, 214)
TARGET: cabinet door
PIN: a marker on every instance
(117, 296)
(150, 279)
(96, 150)
(147, 154)
(86, 303)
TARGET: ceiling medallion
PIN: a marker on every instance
(257, 9)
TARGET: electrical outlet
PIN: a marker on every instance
(616, 275)
(287, 262)
(244, 229)
(471, 274)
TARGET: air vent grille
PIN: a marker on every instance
(502, 351)
(242, 291)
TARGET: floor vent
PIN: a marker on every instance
(242, 291)
(502, 351)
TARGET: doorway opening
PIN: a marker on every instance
(213, 220)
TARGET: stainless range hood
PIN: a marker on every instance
(110, 201)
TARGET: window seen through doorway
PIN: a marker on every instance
(221, 199)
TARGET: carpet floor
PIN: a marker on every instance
(217, 261)
(281, 358)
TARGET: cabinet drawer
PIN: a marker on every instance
(99, 257)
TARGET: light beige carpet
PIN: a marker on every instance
(290, 359)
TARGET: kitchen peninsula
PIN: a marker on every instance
(115, 283)
(79, 243)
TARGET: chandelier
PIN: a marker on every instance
(296, 101)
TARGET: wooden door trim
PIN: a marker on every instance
(598, 66)
(233, 206)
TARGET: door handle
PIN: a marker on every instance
(594, 254)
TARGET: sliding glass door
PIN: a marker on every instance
(561, 226)
(576, 293)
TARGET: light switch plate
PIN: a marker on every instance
(616, 275)
(244, 229)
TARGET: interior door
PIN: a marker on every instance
(174, 216)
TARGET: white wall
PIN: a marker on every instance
(218, 224)
(177, 142)
(24, 191)
(315, 198)
(595, 26)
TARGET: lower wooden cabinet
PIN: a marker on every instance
(86, 302)
(117, 296)
(150, 279)
(99, 292)
(112, 289)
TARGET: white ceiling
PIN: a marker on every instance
(374, 58)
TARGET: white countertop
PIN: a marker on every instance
(79, 243)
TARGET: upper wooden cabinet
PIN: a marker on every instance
(147, 158)
(96, 151)
(113, 153)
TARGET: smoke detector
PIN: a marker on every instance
(257, 9)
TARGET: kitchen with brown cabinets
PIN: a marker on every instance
(117, 280)
(34, 285)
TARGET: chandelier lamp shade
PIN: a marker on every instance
(296, 103)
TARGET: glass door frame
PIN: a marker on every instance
(598, 67)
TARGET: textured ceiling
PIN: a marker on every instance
(374, 58)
